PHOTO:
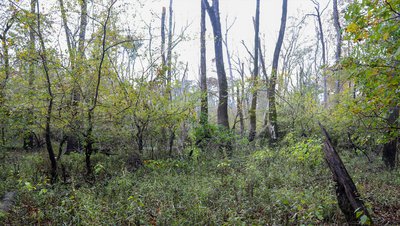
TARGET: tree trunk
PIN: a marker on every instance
(203, 68)
(390, 148)
(89, 131)
(73, 143)
(163, 38)
(270, 123)
(43, 56)
(29, 135)
(253, 107)
(338, 52)
(322, 39)
(3, 83)
(213, 13)
(348, 197)
(169, 51)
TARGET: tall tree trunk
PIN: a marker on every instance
(29, 134)
(322, 40)
(213, 13)
(163, 38)
(203, 68)
(169, 51)
(3, 83)
(43, 56)
(270, 123)
(338, 52)
(89, 131)
(253, 107)
(73, 142)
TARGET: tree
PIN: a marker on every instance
(338, 29)
(213, 13)
(270, 123)
(203, 68)
(374, 63)
(44, 61)
(89, 131)
(253, 107)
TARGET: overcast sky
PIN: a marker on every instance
(188, 11)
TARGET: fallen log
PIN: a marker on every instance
(349, 200)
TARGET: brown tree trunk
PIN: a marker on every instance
(253, 107)
(43, 56)
(270, 123)
(203, 68)
(213, 13)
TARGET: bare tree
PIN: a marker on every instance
(338, 28)
(321, 37)
(213, 13)
(253, 107)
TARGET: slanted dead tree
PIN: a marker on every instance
(347, 195)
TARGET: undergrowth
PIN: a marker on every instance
(283, 185)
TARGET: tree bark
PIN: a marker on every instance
(213, 13)
(253, 107)
(203, 68)
(270, 123)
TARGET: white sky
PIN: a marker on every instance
(188, 11)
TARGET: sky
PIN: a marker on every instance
(241, 13)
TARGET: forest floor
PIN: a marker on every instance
(280, 186)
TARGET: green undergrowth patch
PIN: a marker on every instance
(287, 184)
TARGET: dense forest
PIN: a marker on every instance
(103, 122)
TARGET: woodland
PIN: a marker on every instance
(105, 125)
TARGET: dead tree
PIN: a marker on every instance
(338, 29)
(203, 68)
(347, 195)
(213, 13)
(253, 107)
